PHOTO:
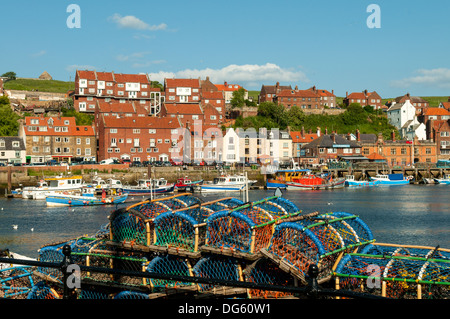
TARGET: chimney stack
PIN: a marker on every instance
(318, 131)
(393, 136)
(358, 136)
(303, 131)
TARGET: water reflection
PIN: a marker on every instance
(412, 214)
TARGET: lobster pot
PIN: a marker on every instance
(223, 203)
(42, 290)
(134, 224)
(216, 268)
(16, 282)
(319, 240)
(130, 261)
(185, 228)
(54, 254)
(400, 272)
(181, 229)
(131, 295)
(169, 265)
(245, 229)
(265, 272)
(278, 206)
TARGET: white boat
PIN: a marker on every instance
(391, 179)
(227, 183)
(429, 180)
(149, 186)
(53, 185)
(444, 180)
(351, 182)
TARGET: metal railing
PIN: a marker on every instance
(312, 291)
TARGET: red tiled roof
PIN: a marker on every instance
(216, 95)
(86, 74)
(446, 105)
(297, 93)
(306, 138)
(195, 83)
(324, 93)
(376, 156)
(226, 87)
(183, 108)
(72, 128)
(437, 111)
(116, 107)
(138, 78)
(140, 122)
(105, 76)
(357, 95)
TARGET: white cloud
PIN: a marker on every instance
(74, 67)
(132, 56)
(248, 75)
(439, 78)
(40, 53)
(132, 22)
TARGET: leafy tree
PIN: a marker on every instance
(80, 118)
(9, 121)
(296, 117)
(354, 114)
(238, 98)
(10, 75)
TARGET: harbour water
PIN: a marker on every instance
(410, 215)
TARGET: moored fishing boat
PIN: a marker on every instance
(391, 179)
(87, 198)
(227, 183)
(52, 185)
(280, 177)
(149, 186)
(315, 183)
(444, 180)
(185, 183)
(351, 182)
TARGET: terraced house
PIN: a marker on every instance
(92, 86)
(57, 138)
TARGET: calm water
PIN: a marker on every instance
(411, 214)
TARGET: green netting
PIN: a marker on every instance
(216, 267)
(405, 272)
(264, 271)
(169, 265)
(317, 239)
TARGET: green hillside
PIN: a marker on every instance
(39, 85)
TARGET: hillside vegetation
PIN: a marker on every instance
(54, 86)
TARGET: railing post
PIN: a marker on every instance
(67, 294)
(313, 272)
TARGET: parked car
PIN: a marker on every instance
(175, 162)
(107, 161)
(136, 164)
(126, 161)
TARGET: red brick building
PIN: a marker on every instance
(364, 98)
(57, 138)
(327, 98)
(182, 91)
(93, 86)
(304, 99)
(217, 100)
(137, 138)
(269, 93)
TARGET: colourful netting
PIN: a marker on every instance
(216, 267)
(264, 271)
(185, 228)
(43, 291)
(247, 228)
(317, 239)
(16, 282)
(397, 271)
(169, 265)
(131, 295)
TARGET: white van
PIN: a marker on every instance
(107, 161)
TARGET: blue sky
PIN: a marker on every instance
(324, 43)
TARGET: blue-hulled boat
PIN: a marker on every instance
(391, 179)
(444, 180)
(84, 200)
(351, 182)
